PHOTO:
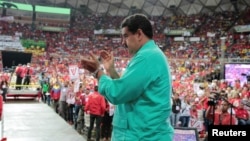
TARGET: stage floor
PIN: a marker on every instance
(31, 120)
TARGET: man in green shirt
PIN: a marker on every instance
(45, 90)
(142, 95)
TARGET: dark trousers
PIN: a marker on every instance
(56, 105)
(4, 93)
(106, 125)
(63, 109)
(26, 80)
(98, 120)
(18, 82)
(71, 113)
(80, 120)
(77, 109)
(184, 121)
(44, 97)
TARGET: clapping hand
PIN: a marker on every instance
(91, 64)
(107, 59)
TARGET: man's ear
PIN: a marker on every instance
(140, 33)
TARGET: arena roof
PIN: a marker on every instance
(149, 7)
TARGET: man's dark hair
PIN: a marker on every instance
(138, 21)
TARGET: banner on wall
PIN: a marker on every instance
(242, 28)
(7, 18)
(179, 39)
(194, 39)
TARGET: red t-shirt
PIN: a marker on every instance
(242, 113)
(224, 119)
(78, 98)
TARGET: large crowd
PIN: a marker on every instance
(192, 64)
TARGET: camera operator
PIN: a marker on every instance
(204, 102)
(218, 113)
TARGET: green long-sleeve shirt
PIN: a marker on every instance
(142, 96)
(45, 87)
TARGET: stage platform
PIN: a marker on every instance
(22, 94)
(30, 120)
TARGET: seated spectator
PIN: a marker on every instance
(242, 114)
